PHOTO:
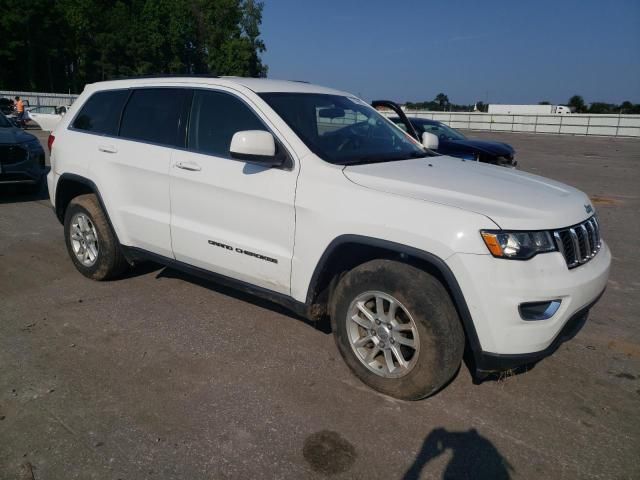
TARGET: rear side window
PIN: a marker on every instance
(215, 117)
(154, 115)
(101, 113)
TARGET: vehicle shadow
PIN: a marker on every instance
(473, 456)
(480, 378)
(166, 272)
(323, 325)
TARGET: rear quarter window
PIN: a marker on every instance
(101, 113)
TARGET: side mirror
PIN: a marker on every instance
(255, 146)
(430, 141)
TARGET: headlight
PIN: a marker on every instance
(33, 144)
(517, 245)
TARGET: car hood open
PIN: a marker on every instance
(511, 198)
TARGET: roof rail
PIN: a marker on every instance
(170, 75)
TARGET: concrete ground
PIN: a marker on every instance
(160, 375)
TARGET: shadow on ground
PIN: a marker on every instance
(322, 325)
(473, 456)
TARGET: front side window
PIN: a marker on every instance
(442, 131)
(215, 118)
(101, 113)
(343, 130)
(154, 115)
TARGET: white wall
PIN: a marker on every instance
(36, 99)
(573, 124)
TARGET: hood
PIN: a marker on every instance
(14, 135)
(492, 148)
(512, 199)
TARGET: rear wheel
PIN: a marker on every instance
(397, 329)
(91, 243)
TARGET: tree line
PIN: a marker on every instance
(59, 46)
(577, 104)
(440, 103)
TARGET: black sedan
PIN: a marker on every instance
(453, 143)
(21, 156)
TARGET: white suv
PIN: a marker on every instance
(307, 196)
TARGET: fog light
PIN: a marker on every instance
(539, 310)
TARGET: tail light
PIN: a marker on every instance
(50, 141)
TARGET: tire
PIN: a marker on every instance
(425, 317)
(106, 261)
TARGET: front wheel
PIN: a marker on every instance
(397, 329)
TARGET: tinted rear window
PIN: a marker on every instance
(101, 113)
(153, 115)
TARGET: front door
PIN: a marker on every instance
(229, 216)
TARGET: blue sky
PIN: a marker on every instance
(506, 51)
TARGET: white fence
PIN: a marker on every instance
(573, 124)
(37, 99)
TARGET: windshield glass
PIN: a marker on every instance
(442, 131)
(4, 123)
(343, 130)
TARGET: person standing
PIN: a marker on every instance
(20, 111)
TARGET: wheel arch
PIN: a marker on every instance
(70, 186)
(348, 251)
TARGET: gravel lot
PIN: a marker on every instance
(160, 375)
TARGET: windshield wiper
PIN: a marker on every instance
(367, 160)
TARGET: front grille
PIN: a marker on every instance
(580, 243)
(10, 154)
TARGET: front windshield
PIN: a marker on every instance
(4, 123)
(343, 130)
(442, 131)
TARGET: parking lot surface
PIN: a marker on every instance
(161, 375)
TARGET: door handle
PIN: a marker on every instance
(191, 166)
(107, 148)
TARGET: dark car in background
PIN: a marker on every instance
(455, 144)
(22, 160)
(6, 106)
(448, 141)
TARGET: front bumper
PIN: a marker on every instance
(27, 171)
(494, 362)
(494, 288)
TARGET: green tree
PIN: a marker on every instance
(544, 102)
(629, 108)
(602, 107)
(442, 100)
(576, 103)
(62, 45)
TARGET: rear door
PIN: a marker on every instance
(134, 167)
(229, 216)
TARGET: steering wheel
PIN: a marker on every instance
(356, 134)
(352, 139)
